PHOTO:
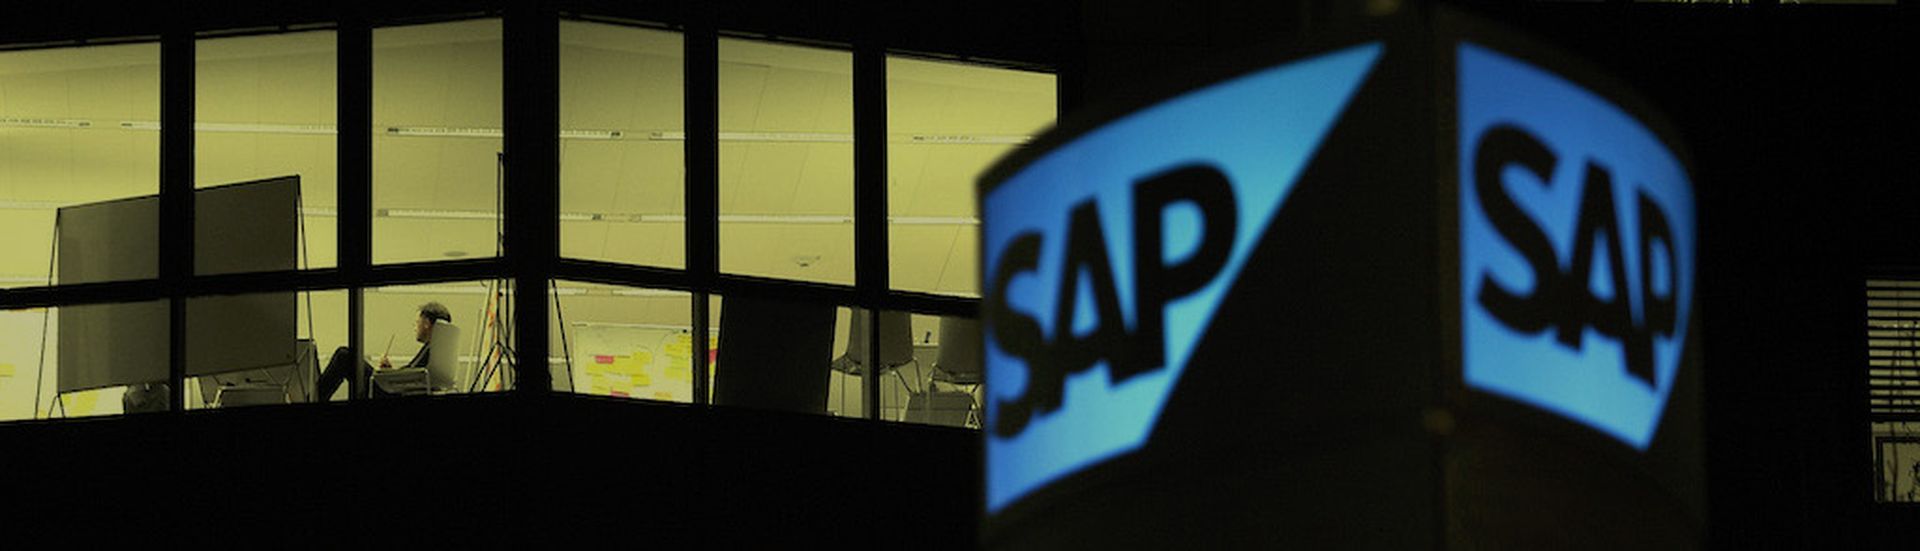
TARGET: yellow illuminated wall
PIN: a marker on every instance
(436, 137)
(264, 108)
(947, 122)
(622, 173)
(786, 161)
(77, 125)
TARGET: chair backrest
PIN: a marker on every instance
(443, 358)
(959, 360)
(896, 340)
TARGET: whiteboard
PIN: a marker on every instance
(245, 227)
(634, 361)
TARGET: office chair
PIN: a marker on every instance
(959, 365)
(443, 373)
(896, 345)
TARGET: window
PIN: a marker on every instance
(786, 161)
(785, 354)
(1893, 386)
(947, 123)
(622, 170)
(624, 342)
(478, 315)
(935, 374)
(265, 109)
(437, 141)
(78, 127)
(263, 348)
(53, 363)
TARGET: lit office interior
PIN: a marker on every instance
(79, 128)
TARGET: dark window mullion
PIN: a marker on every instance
(355, 181)
(176, 198)
(870, 200)
(702, 156)
(532, 115)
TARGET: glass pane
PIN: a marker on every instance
(784, 355)
(78, 126)
(625, 342)
(786, 161)
(263, 348)
(264, 109)
(948, 122)
(79, 361)
(622, 171)
(436, 141)
(456, 331)
(932, 371)
(1896, 452)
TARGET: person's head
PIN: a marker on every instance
(430, 313)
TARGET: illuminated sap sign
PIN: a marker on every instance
(1107, 257)
(1576, 249)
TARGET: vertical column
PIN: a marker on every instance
(532, 116)
(702, 154)
(355, 228)
(870, 200)
(176, 197)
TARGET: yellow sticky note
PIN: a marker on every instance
(6, 370)
(632, 365)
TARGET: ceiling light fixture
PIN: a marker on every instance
(479, 132)
(245, 128)
(935, 220)
(240, 128)
(785, 219)
(432, 290)
(775, 137)
(37, 122)
(444, 132)
(983, 139)
(438, 214)
(591, 134)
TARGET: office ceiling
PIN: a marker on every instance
(786, 174)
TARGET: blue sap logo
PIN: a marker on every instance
(1107, 257)
(1576, 249)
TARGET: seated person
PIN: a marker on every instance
(339, 367)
